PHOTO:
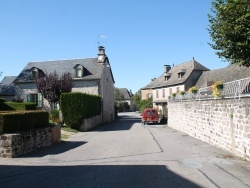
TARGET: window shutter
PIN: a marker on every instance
(28, 97)
(40, 100)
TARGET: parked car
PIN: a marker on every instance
(150, 115)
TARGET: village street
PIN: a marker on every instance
(127, 154)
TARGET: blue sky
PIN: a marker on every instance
(141, 35)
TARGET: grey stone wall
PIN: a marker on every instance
(107, 93)
(222, 123)
(13, 145)
(90, 123)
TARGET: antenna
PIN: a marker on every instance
(98, 39)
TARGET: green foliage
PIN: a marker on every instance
(6, 106)
(23, 120)
(2, 100)
(137, 98)
(54, 114)
(78, 106)
(230, 30)
(146, 104)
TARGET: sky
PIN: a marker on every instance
(139, 36)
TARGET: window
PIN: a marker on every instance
(79, 71)
(149, 95)
(180, 75)
(177, 90)
(163, 93)
(36, 98)
(170, 91)
(157, 94)
(34, 74)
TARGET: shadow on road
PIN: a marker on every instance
(61, 147)
(92, 176)
(122, 122)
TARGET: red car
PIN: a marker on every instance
(149, 115)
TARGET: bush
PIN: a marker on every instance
(7, 106)
(2, 100)
(12, 122)
(78, 106)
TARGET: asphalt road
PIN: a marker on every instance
(127, 154)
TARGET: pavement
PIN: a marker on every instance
(126, 153)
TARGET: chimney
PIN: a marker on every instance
(101, 54)
(167, 68)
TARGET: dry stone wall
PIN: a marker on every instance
(223, 123)
(13, 145)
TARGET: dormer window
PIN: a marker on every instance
(34, 73)
(79, 71)
(181, 73)
(167, 76)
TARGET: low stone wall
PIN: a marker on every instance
(13, 145)
(222, 123)
(90, 123)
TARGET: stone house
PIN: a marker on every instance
(178, 78)
(7, 88)
(126, 97)
(90, 75)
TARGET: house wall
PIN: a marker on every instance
(90, 86)
(167, 92)
(222, 123)
(107, 93)
(144, 93)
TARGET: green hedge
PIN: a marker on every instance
(76, 107)
(7, 106)
(2, 100)
(12, 122)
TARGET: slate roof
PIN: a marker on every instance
(93, 69)
(230, 73)
(125, 93)
(187, 68)
(7, 87)
(153, 83)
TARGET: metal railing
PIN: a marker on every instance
(235, 89)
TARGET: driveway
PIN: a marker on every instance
(125, 153)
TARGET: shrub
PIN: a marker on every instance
(7, 106)
(2, 100)
(78, 106)
(23, 120)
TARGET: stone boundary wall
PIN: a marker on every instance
(90, 123)
(16, 144)
(224, 123)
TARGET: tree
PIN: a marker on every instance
(52, 85)
(119, 99)
(137, 98)
(230, 30)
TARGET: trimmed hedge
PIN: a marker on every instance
(76, 107)
(12, 122)
(2, 100)
(7, 106)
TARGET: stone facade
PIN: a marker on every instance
(90, 123)
(16, 144)
(222, 123)
(107, 93)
